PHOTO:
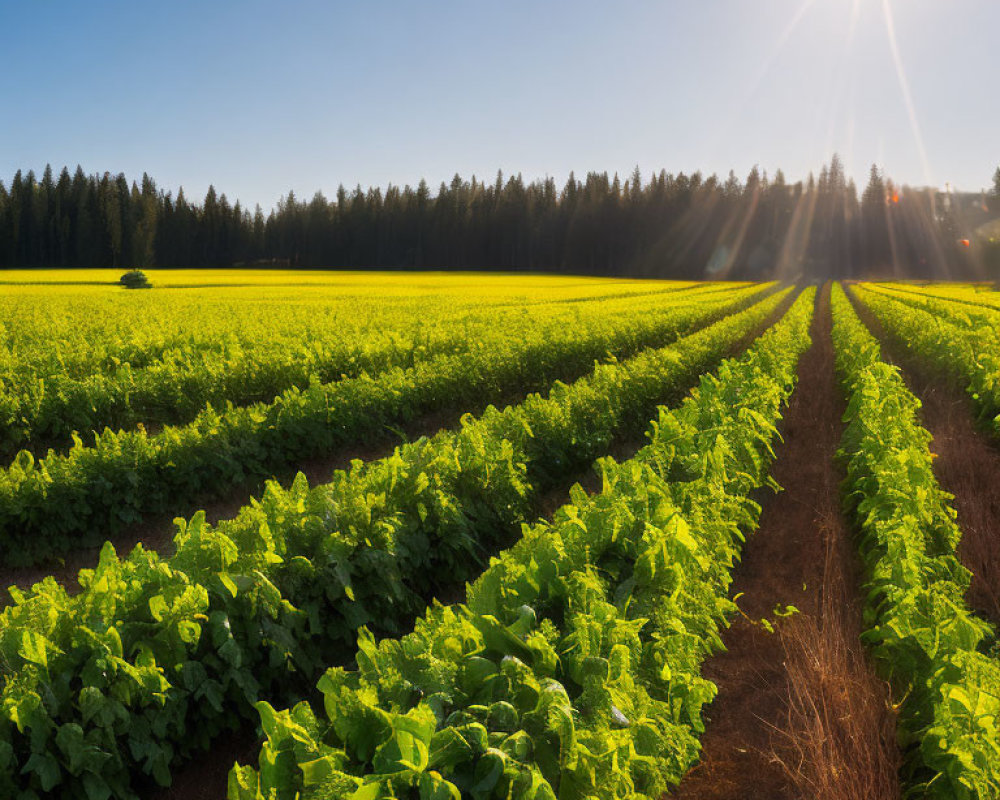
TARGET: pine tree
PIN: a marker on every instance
(670, 225)
(874, 220)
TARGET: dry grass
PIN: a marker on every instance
(800, 715)
(837, 741)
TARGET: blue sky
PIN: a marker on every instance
(262, 97)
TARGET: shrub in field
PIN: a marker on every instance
(135, 279)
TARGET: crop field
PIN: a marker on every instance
(270, 535)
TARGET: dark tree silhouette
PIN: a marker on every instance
(666, 225)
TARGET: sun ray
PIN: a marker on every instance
(842, 89)
(904, 85)
(796, 242)
(855, 19)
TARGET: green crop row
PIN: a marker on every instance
(978, 297)
(81, 330)
(966, 313)
(43, 334)
(573, 668)
(40, 411)
(922, 636)
(960, 346)
(63, 502)
(155, 657)
(46, 332)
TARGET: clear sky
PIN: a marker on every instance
(262, 97)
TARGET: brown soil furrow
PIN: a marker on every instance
(207, 777)
(966, 465)
(799, 712)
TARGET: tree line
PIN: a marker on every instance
(671, 225)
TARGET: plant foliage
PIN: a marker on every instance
(921, 634)
(572, 669)
(155, 657)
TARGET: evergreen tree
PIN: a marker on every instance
(669, 225)
(874, 220)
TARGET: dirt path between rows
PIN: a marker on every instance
(799, 712)
(966, 465)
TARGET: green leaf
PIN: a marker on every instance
(45, 766)
(433, 787)
(448, 749)
(408, 747)
(318, 770)
(34, 648)
(229, 583)
(489, 770)
(158, 607)
(370, 791)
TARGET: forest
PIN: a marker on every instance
(666, 225)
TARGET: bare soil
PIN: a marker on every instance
(799, 713)
(966, 465)
(207, 777)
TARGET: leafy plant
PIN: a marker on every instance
(922, 635)
(50, 505)
(572, 670)
(156, 657)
